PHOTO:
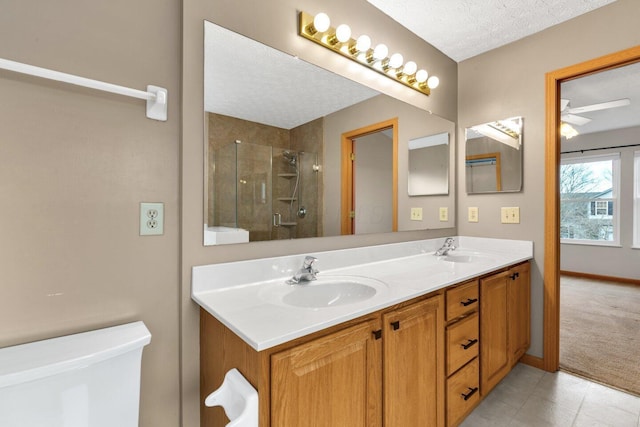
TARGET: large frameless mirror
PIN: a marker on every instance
(274, 162)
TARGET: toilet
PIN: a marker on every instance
(90, 379)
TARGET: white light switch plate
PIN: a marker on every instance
(444, 214)
(416, 214)
(473, 214)
(510, 215)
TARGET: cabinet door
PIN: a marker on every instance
(494, 337)
(413, 369)
(519, 311)
(331, 381)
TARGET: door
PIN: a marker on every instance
(519, 312)
(494, 338)
(360, 180)
(414, 365)
(551, 277)
(331, 381)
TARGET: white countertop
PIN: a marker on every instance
(246, 295)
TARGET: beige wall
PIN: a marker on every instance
(509, 81)
(412, 123)
(274, 23)
(74, 166)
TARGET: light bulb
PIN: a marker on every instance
(410, 68)
(396, 60)
(380, 52)
(421, 76)
(321, 22)
(343, 33)
(433, 82)
(363, 44)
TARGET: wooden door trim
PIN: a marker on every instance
(346, 180)
(495, 156)
(551, 275)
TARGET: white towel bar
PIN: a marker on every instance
(155, 96)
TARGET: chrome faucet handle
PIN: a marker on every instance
(308, 263)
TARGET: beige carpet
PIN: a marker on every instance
(600, 331)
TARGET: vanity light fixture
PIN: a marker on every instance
(340, 40)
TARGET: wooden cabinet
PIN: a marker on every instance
(419, 363)
(390, 362)
(494, 340)
(519, 311)
(504, 323)
(338, 379)
(413, 369)
(462, 393)
(333, 380)
(462, 344)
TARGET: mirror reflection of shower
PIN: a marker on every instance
(271, 192)
(292, 158)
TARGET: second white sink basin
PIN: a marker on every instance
(329, 291)
(465, 257)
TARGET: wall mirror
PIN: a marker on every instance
(493, 156)
(429, 165)
(273, 130)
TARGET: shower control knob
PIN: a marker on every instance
(302, 212)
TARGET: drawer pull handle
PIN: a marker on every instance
(377, 334)
(469, 301)
(471, 392)
(469, 343)
(514, 276)
(395, 325)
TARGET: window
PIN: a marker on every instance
(636, 200)
(589, 187)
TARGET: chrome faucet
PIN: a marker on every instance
(446, 247)
(307, 273)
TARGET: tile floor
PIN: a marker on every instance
(534, 398)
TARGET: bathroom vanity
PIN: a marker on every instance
(435, 337)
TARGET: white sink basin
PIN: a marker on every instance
(464, 257)
(329, 291)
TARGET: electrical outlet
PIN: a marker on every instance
(444, 214)
(510, 215)
(416, 214)
(473, 214)
(151, 219)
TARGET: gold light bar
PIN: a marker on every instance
(374, 58)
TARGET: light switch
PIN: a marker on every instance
(444, 214)
(473, 214)
(416, 214)
(510, 215)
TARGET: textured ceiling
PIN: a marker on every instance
(465, 28)
(248, 80)
(251, 81)
(611, 85)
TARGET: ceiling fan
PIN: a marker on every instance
(568, 114)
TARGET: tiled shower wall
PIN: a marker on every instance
(223, 131)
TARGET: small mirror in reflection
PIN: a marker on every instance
(493, 156)
(429, 165)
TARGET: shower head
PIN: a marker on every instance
(290, 156)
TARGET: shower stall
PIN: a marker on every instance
(271, 192)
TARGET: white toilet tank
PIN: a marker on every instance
(90, 379)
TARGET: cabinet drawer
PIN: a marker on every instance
(462, 393)
(462, 342)
(462, 299)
